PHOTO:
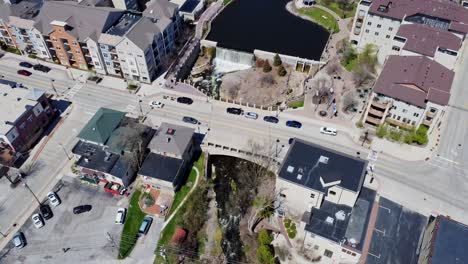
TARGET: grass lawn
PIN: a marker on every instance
(337, 9)
(351, 65)
(296, 104)
(321, 17)
(132, 223)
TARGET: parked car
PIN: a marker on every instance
(19, 240)
(184, 100)
(37, 220)
(145, 225)
(94, 79)
(271, 119)
(25, 64)
(82, 209)
(191, 120)
(328, 131)
(46, 212)
(24, 72)
(120, 217)
(251, 115)
(293, 123)
(53, 199)
(234, 111)
(156, 104)
(42, 68)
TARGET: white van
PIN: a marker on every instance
(120, 217)
(328, 131)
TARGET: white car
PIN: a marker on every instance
(120, 217)
(251, 115)
(328, 131)
(37, 220)
(53, 199)
(156, 104)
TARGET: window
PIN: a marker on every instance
(367, 31)
(404, 111)
(413, 123)
(77, 51)
(312, 195)
(22, 126)
(390, 29)
(432, 110)
(398, 117)
(379, 26)
(353, 254)
(44, 53)
(133, 71)
(388, 36)
(369, 23)
(376, 33)
(97, 64)
(38, 36)
(404, 120)
(105, 55)
(332, 192)
(395, 48)
(415, 114)
(328, 253)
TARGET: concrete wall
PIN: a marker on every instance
(290, 60)
(339, 195)
(297, 199)
(426, 244)
(339, 254)
(158, 184)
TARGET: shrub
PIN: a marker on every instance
(264, 238)
(287, 222)
(282, 71)
(395, 135)
(359, 124)
(266, 66)
(421, 135)
(264, 255)
(292, 234)
(211, 51)
(382, 131)
(259, 63)
(277, 61)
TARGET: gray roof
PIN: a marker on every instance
(307, 164)
(161, 167)
(158, 9)
(143, 33)
(82, 21)
(415, 80)
(26, 9)
(171, 139)
(450, 242)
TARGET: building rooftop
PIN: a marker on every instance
(124, 24)
(160, 167)
(157, 9)
(415, 80)
(101, 125)
(81, 21)
(436, 13)
(14, 102)
(171, 139)
(129, 136)
(450, 239)
(341, 223)
(189, 6)
(25, 9)
(319, 168)
(426, 40)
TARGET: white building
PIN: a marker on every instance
(377, 22)
(410, 91)
(322, 188)
(125, 4)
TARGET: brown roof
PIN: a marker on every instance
(398, 9)
(425, 40)
(415, 80)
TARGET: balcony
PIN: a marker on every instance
(373, 121)
(431, 114)
(361, 14)
(357, 30)
(427, 123)
(376, 112)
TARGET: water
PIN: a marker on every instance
(228, 60)
(266, 25)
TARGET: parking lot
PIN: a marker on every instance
(90, 237)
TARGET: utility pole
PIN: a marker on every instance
(53, 87)
(65, 150)
(277, 141)
(29, 189)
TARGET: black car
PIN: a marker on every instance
(271, 119)
(191, 120)
(293, 123)
(184, 100)
(25, 64)
(234, 111)
(40, 67)
(82, 209)
(46, 212)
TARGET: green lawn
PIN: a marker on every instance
(132, 223)
(351, 65)
(335, 7)
(296, 104)
(321, 17)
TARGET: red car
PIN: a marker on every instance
(24, 72)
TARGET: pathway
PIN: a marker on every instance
(206, 17)
(183, 201)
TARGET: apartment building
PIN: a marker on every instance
(323, 189)
(377, 22)
(410, 91)
(25, 115)
(444, 242)
(421, 40)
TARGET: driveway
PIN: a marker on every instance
(90, 237)
(143, 252)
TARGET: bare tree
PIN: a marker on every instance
(233, 90)
(268, 79)
(30, 167)
(349, 100)
(333, 68)
(321, 87)
(264, 207)
(138, 154)
(362, 75)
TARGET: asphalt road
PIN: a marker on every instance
(426, 187)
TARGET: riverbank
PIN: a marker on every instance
(316, 15)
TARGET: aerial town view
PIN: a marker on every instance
(234, 131)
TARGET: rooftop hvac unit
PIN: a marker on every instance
(329, 220)
(323, 159)
(340, 215)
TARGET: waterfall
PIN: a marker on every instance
(228, 60)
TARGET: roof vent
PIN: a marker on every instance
(86, 160)
(323, 159)
(329, 220)
(340, 215)
(299, 176)
(170, 131)
(18, 99)
(94, 129)
(290, 169)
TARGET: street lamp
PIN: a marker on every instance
(53, 86)
(277, 141)
(29, 188)
(65, 150)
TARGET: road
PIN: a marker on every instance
(426, 187)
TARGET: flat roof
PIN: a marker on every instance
(14, 102)
(450, 242)
(160, 167)
(309, 165)
(123, 24)
(170, 138)
(189, 6)
(94, 157)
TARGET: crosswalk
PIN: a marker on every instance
(442, 162)
(71, 92)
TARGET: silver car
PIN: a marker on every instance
(37, 220)
(251, 115)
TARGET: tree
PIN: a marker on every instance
(320, 87)
(233, 90)
(333, 68)
(349, 101)
(264, 255)
(282, 71)
(348, 53)
(266, 66)
(277, 61)
(369, 57)
(382, 131)
(264, 238)
(362, 75)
